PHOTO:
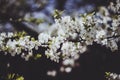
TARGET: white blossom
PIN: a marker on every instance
(43, 37)
(17, 46)
(68, 69)
(52, 73)
(70, 36)
(113, 76)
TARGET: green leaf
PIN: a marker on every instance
(37, 56)
(57, 14)
(20, 78)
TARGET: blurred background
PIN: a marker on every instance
(34, 17)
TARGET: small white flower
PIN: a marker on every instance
(68, 62)
(52, 73)
(43, 37)
(100, 34)
(10, 34)
(104, 42)
(3, 34)
(68, 69)
(113, 45)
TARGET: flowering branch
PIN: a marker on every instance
(68, 37)
(112, 76)
(18, 43)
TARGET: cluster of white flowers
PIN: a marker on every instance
(115, 7)
(69, 64)
(24, 45)
(69, 36)
(60, 38)
(112, 76)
